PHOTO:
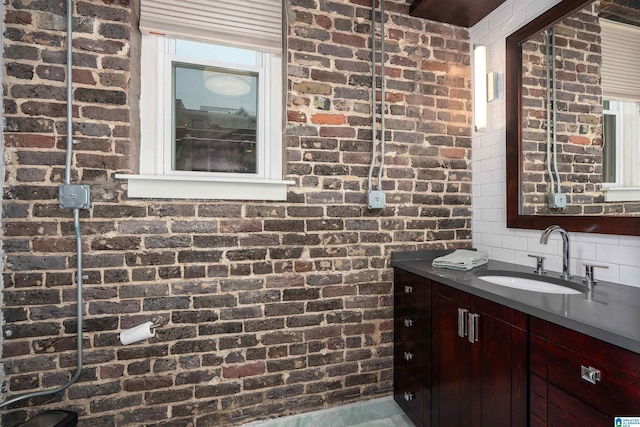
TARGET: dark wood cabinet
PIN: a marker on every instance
(577, 380)
(459, 360)
(479, 361)
(462, 360)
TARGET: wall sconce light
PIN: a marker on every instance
(480, 114)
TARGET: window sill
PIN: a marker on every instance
(182, 187)
(621, 194)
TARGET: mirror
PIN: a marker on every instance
(561, 68)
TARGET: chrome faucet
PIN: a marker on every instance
(565, 247)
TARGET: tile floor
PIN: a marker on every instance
(382, 412)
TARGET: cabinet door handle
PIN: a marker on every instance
(408, 289)
(409, 323)
(408, 356)
(462, 322)
(473, 327)
(590, 374)
(409, 396)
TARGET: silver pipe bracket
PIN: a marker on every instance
(75, 196)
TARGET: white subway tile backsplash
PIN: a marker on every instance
(500, 14)
(498, 228)
(633, 241)
(535, 8)
(482, 203)
(505, 255)
(491, 240)
(630, 275)
(513, 22)
(480, 179)
(623, 255)
(481, 152)
(490, 214)
(552, 247)
(583, 251)
(480, 227)
(514, 243)
(602, 239)
(497, 202)
(494, 189)
(523, 258)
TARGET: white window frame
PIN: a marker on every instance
(619, 148)
(626, 158)
(156, 179)
(621, 82)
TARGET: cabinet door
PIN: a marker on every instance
(451, 365)
(483, 383)
(501, 365)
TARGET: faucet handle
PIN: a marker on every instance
(539, 264)
(589, 277)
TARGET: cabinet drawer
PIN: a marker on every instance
(414, 360)
(571, 355)
(411, 290)
(411, 394)
(567, 411)
(412, 323)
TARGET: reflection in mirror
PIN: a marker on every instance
(583, 75)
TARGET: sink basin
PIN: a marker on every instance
(529, 282)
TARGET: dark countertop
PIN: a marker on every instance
(612, 314)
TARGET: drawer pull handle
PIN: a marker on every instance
(462, 322)
(409, 396)
(409, 323)
(590, 374)
(408, 356)
(408, 289)
(472, 331)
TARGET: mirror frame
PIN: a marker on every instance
(622, 225)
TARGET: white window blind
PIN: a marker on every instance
(253, 24)
(620, 60)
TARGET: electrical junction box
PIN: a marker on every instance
(376, 199)
(557, 200)
(75, 196)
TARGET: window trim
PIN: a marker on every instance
(153, 181)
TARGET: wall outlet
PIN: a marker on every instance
(557, 200)
(376, 199)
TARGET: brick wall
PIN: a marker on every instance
(579, 117)
(273, 308)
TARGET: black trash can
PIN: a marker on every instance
(53, 418)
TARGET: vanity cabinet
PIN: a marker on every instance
(459, 360)
(577, 380)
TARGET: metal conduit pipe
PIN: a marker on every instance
(76, 222)
(555, 110)
(373, 94)
(549, 106)
(374, 153)
(382, 95)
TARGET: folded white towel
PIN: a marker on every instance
(462, 259)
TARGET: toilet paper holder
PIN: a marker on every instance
(141, 332)
(157, 321)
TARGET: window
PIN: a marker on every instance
(621, 111)
(211, 107)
